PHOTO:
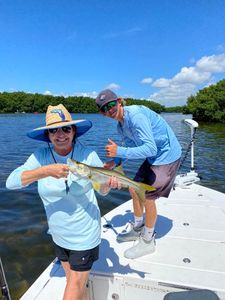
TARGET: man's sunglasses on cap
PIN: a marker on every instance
(65, 129)
(108, 106)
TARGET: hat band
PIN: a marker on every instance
(59, 122)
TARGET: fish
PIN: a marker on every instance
(99, 176)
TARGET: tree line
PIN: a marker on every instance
(38, 103)
(207, 105)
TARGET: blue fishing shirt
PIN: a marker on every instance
(73, 218)
(146, 134)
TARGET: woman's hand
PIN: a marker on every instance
(53, 170)
(57, 170)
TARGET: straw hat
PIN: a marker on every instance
(56, 117)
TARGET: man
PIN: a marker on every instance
(146, 135)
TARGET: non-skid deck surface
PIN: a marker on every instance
(190, 246)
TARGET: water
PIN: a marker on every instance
(25, 248)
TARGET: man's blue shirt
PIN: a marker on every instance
(147, 135)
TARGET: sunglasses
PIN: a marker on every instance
(108, 106)
(65, 129)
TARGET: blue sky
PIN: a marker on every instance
(159, 50)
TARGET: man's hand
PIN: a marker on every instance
(114, 183)
(111, 148)
(109, 165)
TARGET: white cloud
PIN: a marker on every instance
(47, 93)
(191, 75)
(213, 64)
(161, 83)
(113, 86)
(86, 94)
(65, 95)
(147, 80)
(175, 91)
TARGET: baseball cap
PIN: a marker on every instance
(105, 97)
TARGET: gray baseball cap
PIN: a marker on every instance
(104, 97)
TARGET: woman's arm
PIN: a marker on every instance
(32, 171)
(54, 170)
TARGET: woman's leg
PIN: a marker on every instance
(66, 267)
(76, 284)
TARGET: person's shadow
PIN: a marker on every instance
(162, 227)
(109, 261)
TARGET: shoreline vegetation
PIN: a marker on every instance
(207, 105)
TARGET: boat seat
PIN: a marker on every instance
(192, 295)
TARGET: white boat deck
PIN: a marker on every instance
(190, 252)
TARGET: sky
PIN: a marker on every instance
(158, 50)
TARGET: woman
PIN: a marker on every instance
(71, 207)
(146, 136)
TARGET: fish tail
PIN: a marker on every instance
(141, 191)
(141, 195)
(147, 187)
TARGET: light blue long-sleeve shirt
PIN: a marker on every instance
(73, 218)
(147, 135)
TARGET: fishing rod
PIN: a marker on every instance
(3, 283)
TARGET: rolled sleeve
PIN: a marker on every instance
(14, 181)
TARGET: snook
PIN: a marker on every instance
(100, 176)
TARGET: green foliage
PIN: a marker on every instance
(209, 103)
(150, 104)
(178, 109)
(38, 103)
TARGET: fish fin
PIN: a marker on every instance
(119, 169)
(96, 185)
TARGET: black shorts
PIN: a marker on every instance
(81, 260)
(161, 177)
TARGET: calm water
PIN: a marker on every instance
(25, 247)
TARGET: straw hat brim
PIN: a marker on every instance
(39, 133)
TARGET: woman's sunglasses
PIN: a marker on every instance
(65, 129)
(108, 106)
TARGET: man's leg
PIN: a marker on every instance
(133, 231)
(150, 219)
(146, 243)
(137, 205)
